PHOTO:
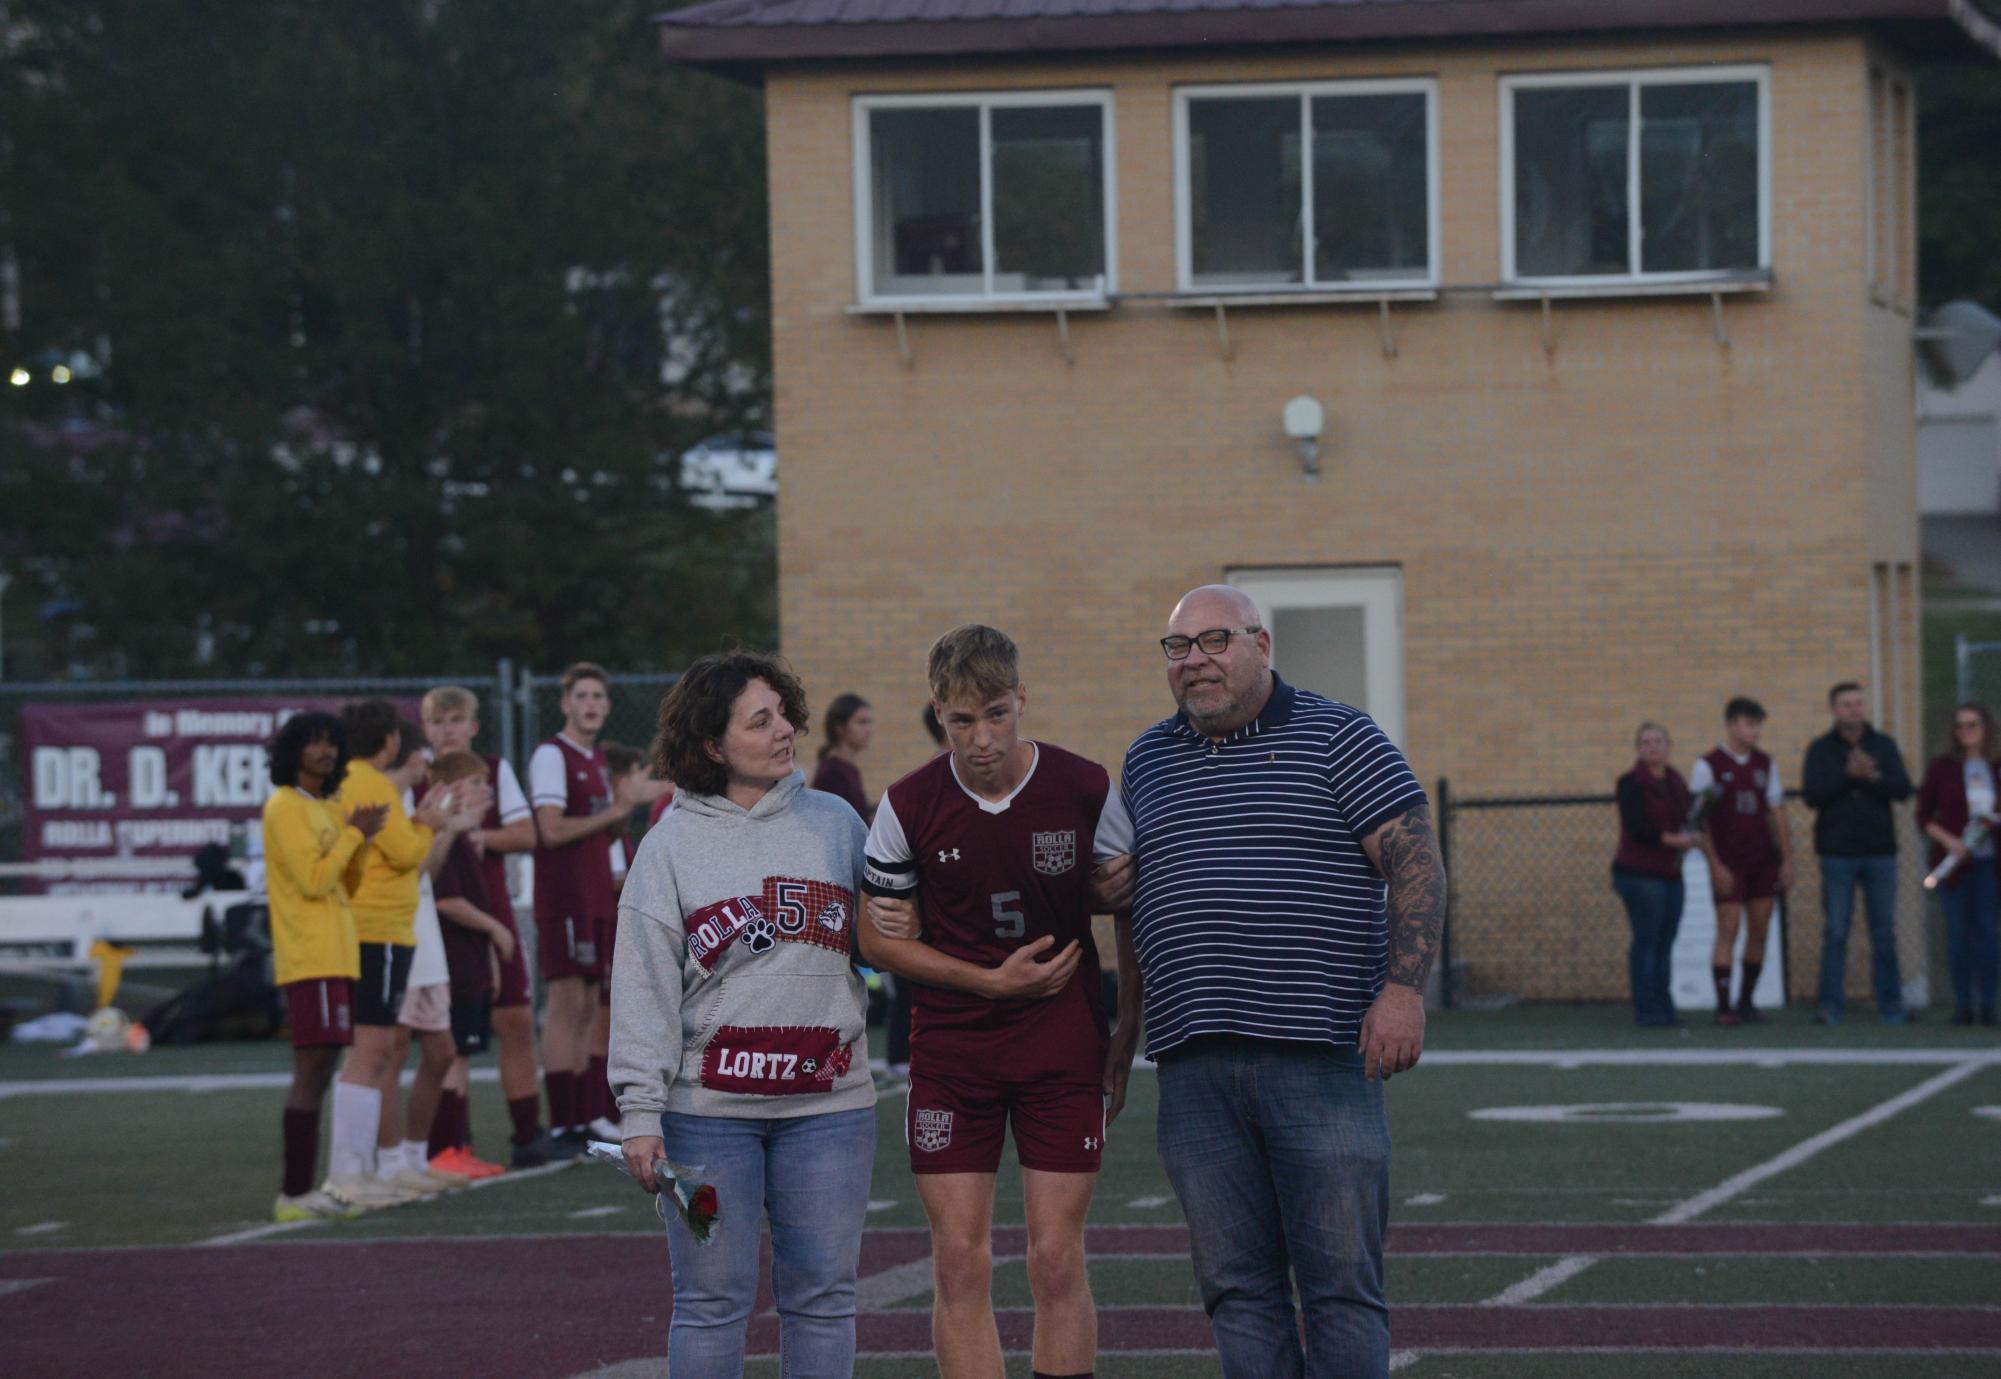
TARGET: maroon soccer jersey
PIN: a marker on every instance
(1740, 820)
(573, 882)
(493, 865)
(993, 877)
(467, 951)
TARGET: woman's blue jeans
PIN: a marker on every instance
(1281, 1159)
(1653, 908)
(1972, 950)
(810, 1174)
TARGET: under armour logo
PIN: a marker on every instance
(951, 856)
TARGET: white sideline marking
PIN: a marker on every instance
(1738, 1184)
(42, 1228)
(244, 1237)
(1523, 1058)
(21, 1285)
(1541, 1281)
(881, 1203)
(587, 1213)
(195, 1082)
(1424, 1199)
(1401, 1359)
(1994, 1201)
(1149, 1203)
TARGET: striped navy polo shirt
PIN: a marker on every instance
(1258, 914)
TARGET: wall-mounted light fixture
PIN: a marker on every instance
(1304, 420)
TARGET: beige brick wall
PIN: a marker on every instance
(1639, 526)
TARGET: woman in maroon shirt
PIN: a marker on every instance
(1653, 834)
(850, 723)
(1960, 786)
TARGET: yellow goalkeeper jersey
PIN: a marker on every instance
(307, 847)
(382, 879)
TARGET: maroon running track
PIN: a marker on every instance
(550, 1306)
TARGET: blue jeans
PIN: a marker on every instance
(1972, 948)
(1653, 908)
(811, 1175)
(1281, 1159)
(1877, 876)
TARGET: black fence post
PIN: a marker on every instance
(1445, 993)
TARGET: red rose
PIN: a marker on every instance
(703, 1203)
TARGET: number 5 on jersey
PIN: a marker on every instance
(1008, 923)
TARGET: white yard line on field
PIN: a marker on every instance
(245, 1237)
(1738, 1184)
(1542, 1281)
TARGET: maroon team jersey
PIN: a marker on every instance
(1740, 820)
(993, 877)
(574, 881)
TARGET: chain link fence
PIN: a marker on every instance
(1977, 670)
(1533, 916)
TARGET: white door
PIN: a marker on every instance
(1337, 632)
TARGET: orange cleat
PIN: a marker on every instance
(463, 1162)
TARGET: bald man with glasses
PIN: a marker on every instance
(1288, 904)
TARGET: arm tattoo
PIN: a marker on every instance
(1416, 880)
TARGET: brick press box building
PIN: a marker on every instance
(1607, 309)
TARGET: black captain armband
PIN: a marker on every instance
(893, 880)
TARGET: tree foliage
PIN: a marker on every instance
(402, 309)
(1959, 184)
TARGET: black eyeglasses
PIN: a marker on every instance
(1214, 642)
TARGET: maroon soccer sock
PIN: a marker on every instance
(1721, 976)
(445, 1125)
(600, 1085)
(1751, 972)
(526, 1113)
(302, 1150)
(562, 1090)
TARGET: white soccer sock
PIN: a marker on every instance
(415, 1157)
(388, 1160)
(357, 1115)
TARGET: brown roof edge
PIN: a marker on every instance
(740, 49)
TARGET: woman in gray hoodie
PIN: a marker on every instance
(738, 1037)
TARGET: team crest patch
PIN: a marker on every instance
(931, 1131)
(834, 919)
(1054, 853)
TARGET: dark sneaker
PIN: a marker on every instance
(545, 1148)
(565, 1145)
(1824, 1016)
(1751, 1015)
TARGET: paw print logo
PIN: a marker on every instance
(759, 936)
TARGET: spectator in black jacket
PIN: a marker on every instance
(1851, 777)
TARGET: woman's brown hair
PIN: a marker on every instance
(696, 713)
(1990, 736)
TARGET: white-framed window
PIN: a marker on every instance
(1655, 176)
(1317, 186)
(987, 197)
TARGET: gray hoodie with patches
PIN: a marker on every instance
(732, 993)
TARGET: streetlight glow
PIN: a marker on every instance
(19, 378)
(60, 374)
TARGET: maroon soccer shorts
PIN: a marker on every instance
(514, 989)
(320, 1011)
(954, 1125)
(1757, 878)
(568, 948)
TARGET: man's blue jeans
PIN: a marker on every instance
(1281, 1158)
(811, 1174)
(1877, 876)
(1653, 909)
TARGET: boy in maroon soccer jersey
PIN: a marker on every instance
(578, 815)
(1008, 1028)
(1747, 826)
(451, 723)
(630, 773)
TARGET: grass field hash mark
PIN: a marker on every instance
(1738, 1184)
(1544, 1280)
